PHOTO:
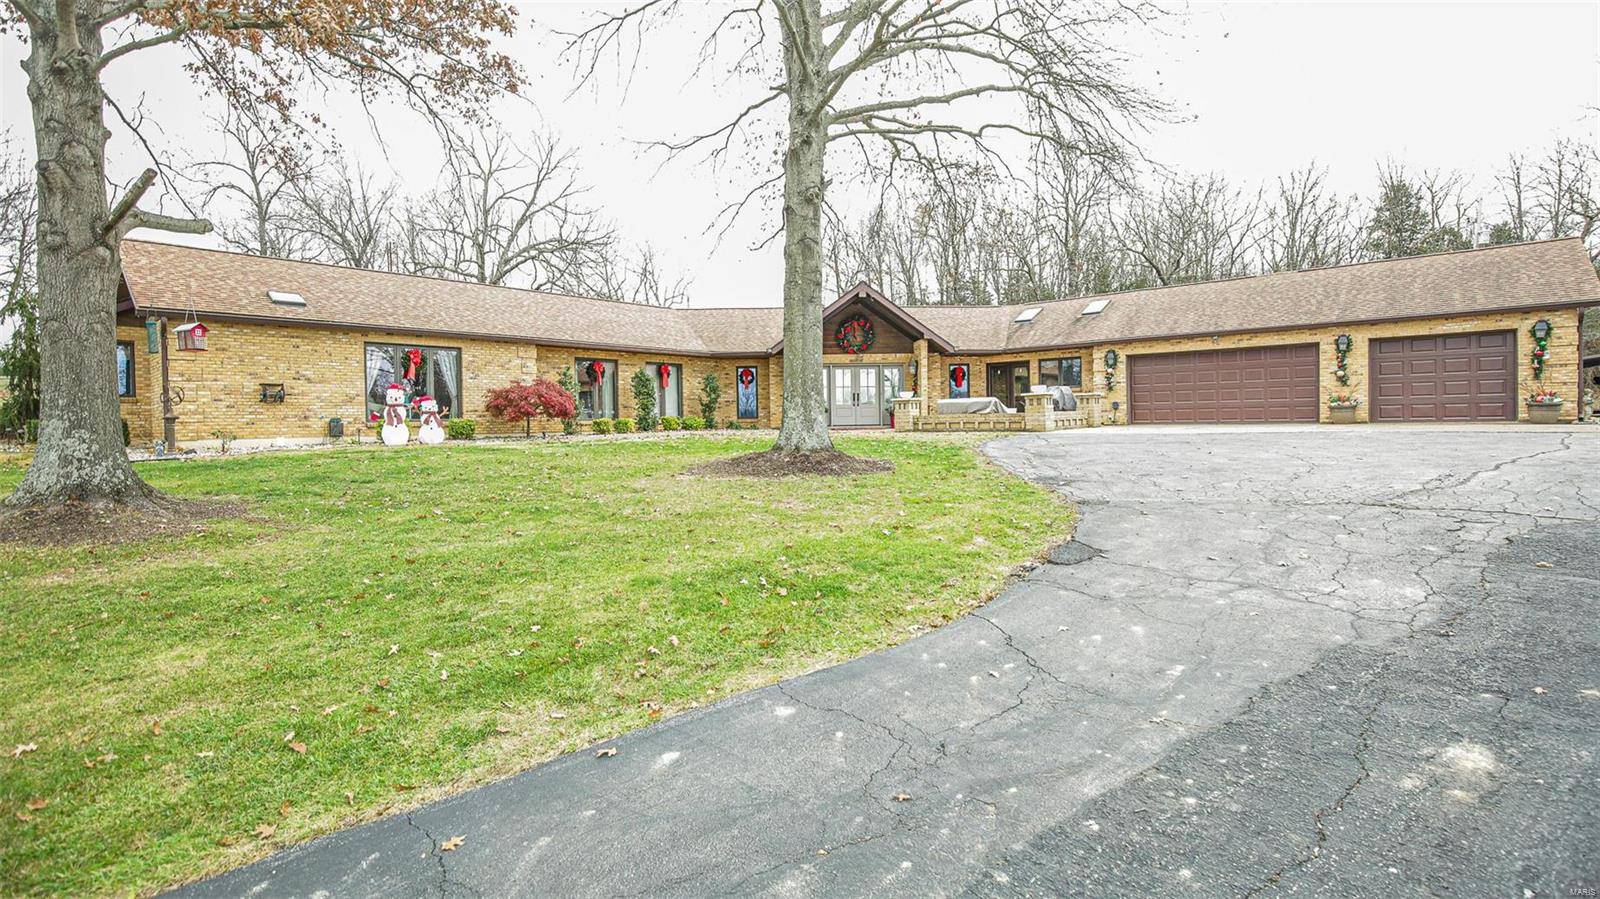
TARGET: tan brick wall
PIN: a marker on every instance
(1561, 369)
(323, 373)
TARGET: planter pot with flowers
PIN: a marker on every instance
(1544, 407)
(1342, 408)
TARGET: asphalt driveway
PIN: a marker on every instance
(1276, 659)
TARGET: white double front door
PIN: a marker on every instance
(857, 394)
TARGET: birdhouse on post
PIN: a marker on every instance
(191, 336)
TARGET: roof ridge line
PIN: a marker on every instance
(1300, 271)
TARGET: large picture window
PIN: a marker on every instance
(597, 388)
(1061, 372)
(434, 371)
(668, 379)
(125, 385)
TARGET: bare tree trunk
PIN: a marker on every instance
(805, 414)
(80, 454)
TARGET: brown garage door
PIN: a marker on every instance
(1275, 383)
(1448, 377)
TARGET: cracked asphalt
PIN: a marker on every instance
(1349, 661)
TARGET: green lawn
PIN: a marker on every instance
(393, 625)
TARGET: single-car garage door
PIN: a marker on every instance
(1448, 377)
(1275, 383)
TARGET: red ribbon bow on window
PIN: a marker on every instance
(664, 372)
(597, 372)
(958, 375)
(747, 376)
(413, 362)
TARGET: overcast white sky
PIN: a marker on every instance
(1263, 88)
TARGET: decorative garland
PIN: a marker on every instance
(1111, 368)
(855, 335)
(1541, 346)
(1341, 356)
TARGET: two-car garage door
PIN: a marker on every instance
(1275, 383)
(1445, 377)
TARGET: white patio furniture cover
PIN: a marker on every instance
(971, 405)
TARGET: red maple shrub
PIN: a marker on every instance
(517, 401)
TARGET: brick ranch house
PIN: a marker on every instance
(290, 345)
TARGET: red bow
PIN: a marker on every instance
(665, 373)
(597, 372)
(747, 376)
(413, 362)
(958, 375)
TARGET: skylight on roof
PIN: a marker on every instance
(1096, 306)
(286, 298)
(1027, 315)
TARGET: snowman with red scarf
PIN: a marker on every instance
(431, 432)
(394, 431)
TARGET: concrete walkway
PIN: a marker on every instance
(1215, 570)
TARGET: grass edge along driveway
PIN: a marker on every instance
(390, 626)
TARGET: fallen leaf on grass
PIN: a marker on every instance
(23, 747)
(605, 753)
(452, 844)
(24, 817)
(265, 831)
(37, 803)
(557, 716)
(502, 729)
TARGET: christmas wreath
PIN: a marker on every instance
(747, 376)
(855, 335)
(596, 371)
(413, 362)
(958, 376)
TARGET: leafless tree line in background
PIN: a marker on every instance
(501, 213)
(1070, 227)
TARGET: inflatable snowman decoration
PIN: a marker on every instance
(431, 431)
(394, 431)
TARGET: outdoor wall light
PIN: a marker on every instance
(1342, 343)
(1541, 329)
(1111, 358)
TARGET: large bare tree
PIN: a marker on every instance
(507, 216)
(249, 189)
(898, 81)
(438, 55)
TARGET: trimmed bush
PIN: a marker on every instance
(671, 423)
(623, 426)
(644, 400)
(601, 425)
(694, 423)
(710, 395)
(460, 429)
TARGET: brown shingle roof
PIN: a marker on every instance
(1528, 275)
(166, 277)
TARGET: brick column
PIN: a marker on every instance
(906, 412)
(1038, 412)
